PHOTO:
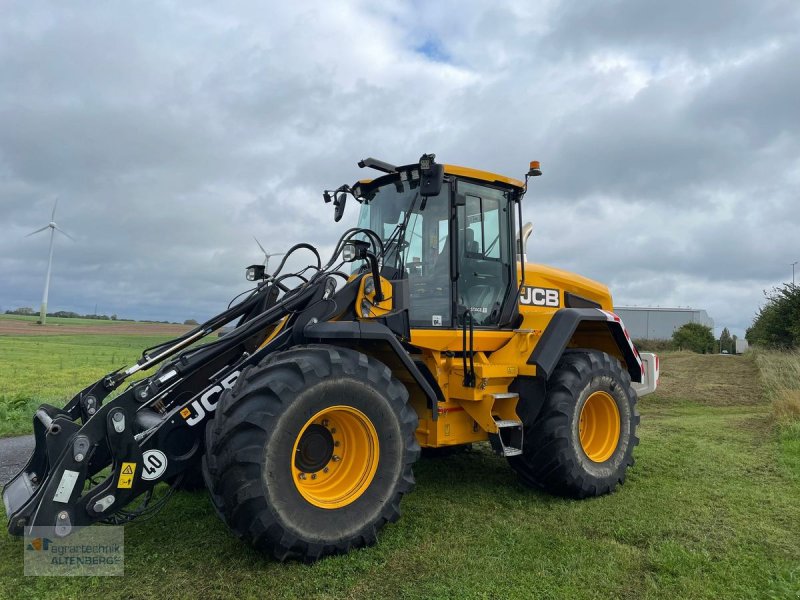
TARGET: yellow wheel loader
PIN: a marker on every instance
(426, 328)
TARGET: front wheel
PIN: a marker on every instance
(581, 444)
(311, 451)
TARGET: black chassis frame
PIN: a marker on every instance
(86, 436)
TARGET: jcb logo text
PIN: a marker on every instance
(534, 296)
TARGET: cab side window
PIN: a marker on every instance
(484, 251)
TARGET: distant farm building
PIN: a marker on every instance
(647, 323)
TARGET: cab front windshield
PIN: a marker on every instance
(423, 250)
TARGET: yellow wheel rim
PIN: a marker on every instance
(599, 426)
(335, 457)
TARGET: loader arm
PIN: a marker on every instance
(93, 458)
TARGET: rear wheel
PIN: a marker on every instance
(581, 443)
(311, 451)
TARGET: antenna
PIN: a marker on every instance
(267, 255)
(53, 227)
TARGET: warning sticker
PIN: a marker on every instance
(185, 413)
(126, 475)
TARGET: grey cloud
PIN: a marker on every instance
(706, 31)
(173, 133)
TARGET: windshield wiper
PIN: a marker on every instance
(399, 233)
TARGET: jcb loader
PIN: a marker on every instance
(427, 328)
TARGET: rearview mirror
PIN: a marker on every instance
(339, 203)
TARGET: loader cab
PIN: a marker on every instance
(456, 248)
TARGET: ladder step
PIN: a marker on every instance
(508, 439)
(505, 396)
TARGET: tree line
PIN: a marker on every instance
(775, 326)
(67, 314)
(64, 314)
(694, 337)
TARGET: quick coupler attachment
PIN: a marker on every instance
(52, 430)
(51, 489)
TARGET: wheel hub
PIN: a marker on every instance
(335, 457)
(599, 427)
(315, 449)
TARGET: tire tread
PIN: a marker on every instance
(247, 415)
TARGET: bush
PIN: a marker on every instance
(777, 324)
(695, 337)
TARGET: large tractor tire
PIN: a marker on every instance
(581, 442)
(311, 451)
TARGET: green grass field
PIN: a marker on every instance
(710, 510)
(51, 369)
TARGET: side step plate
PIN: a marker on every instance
(508, 439)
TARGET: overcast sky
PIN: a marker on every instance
(668, 132)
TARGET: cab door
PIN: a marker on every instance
(485, 283)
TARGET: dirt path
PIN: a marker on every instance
(14, 453)
(713, 379)
(14, 327)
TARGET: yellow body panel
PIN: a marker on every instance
(469, 413)
(444, 339)
(549, 277)
(366, 306)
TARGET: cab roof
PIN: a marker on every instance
(468, 172)
(482, 175)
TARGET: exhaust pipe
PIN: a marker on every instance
(522, 242)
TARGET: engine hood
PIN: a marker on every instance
(577, 286)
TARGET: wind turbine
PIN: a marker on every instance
(267, 255)
(53, 228)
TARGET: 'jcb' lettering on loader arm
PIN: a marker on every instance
(208, 401)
